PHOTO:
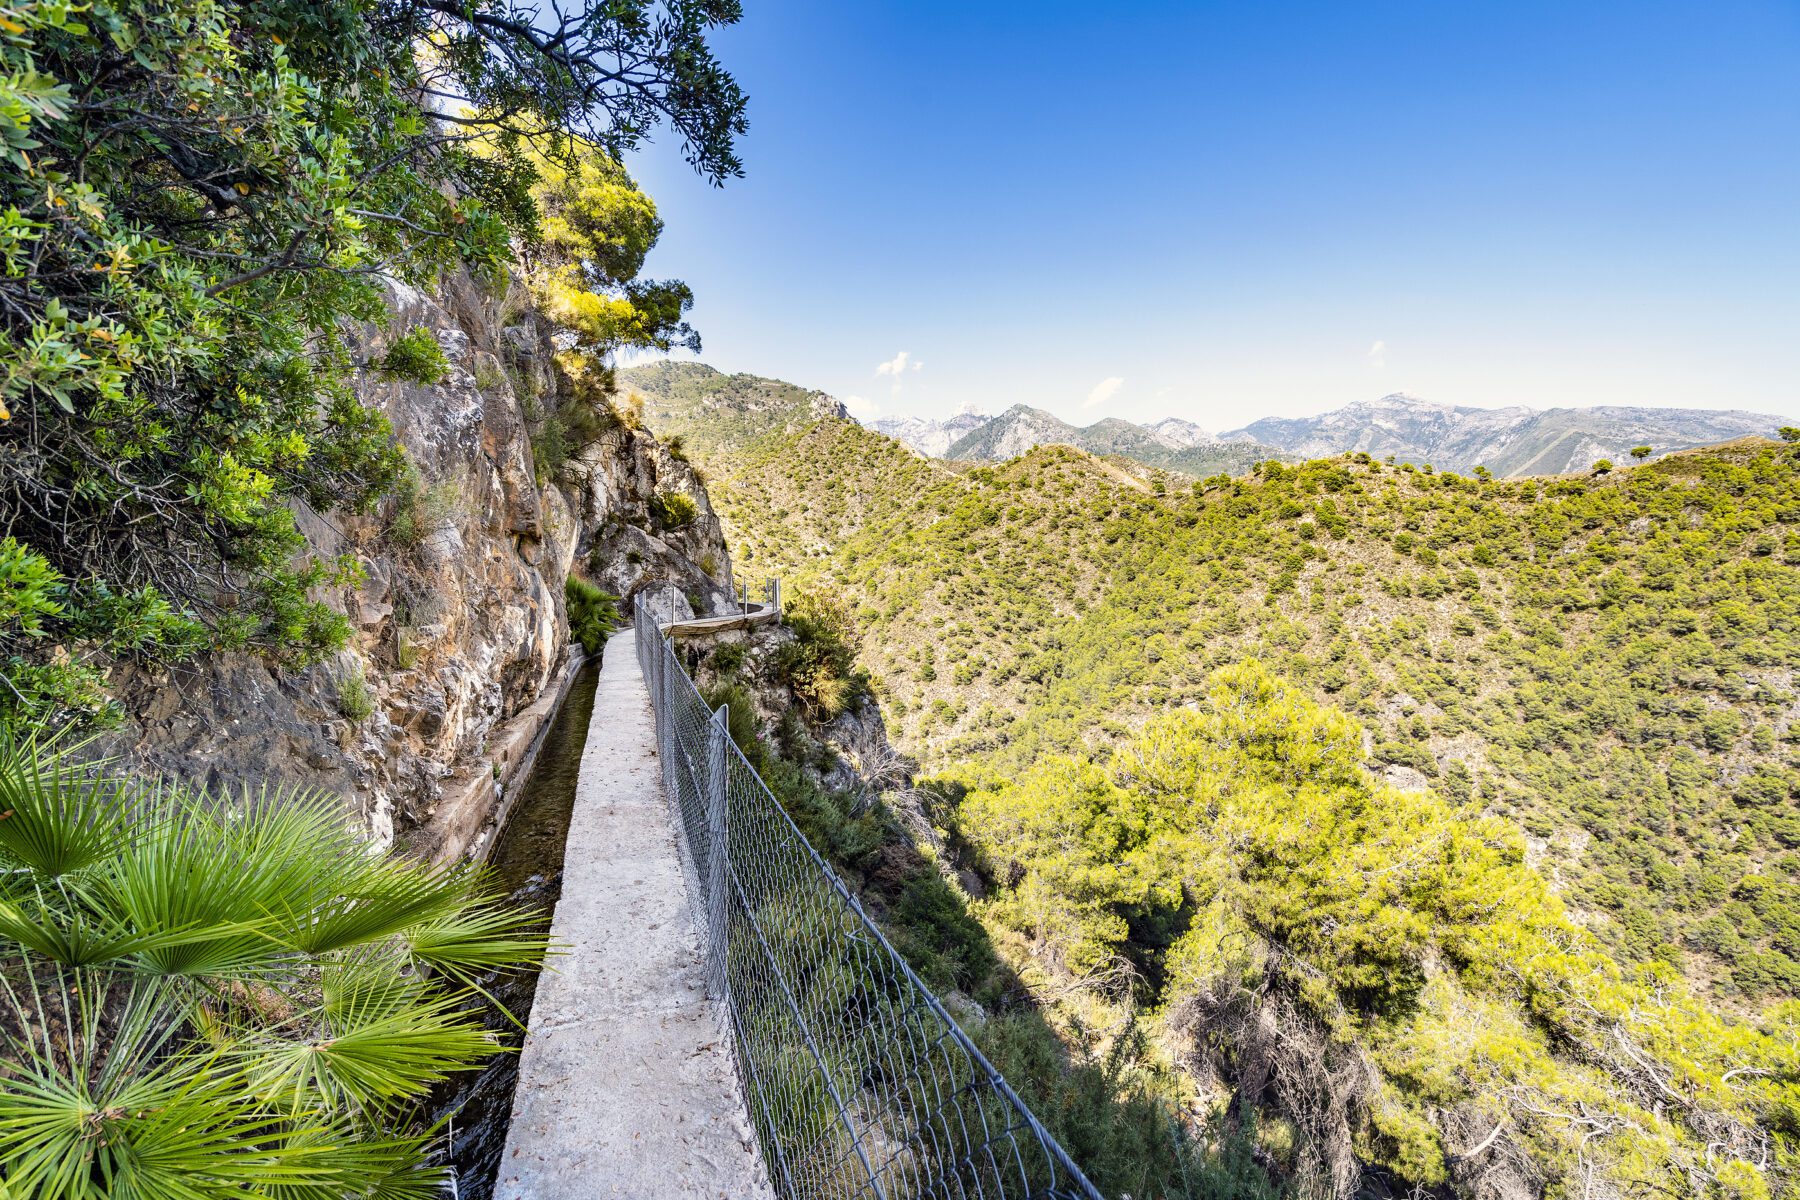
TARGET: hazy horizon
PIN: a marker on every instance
(1082, 417)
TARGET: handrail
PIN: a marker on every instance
(860, 1083)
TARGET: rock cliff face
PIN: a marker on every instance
(460, 650)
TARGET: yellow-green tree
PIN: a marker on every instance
(1376, 966)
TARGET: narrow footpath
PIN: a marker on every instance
(626, 1087)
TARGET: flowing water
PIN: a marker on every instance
(527, 862)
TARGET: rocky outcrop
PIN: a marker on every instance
(460, 646)
(640, 542)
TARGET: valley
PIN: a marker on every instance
(1576, 692)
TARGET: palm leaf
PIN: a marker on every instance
(182, 875)
(374, 1049)
(366, 901)
(105, 1108)
(74, 937)
(57, 816)
(484, 938)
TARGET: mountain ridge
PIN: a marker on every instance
(1510, 442)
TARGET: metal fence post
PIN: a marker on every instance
(665, 723)
(718, 801)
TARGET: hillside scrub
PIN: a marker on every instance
(1567, 968)
(1605, 660)
(1426, 986)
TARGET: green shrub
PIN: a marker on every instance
(420, 510)
(728, 657)
(674, 510)
(417, 356)
(740, 714)
(1405, 754)
(355, 700)
(820, 663)
(487, 375)
(593, 613)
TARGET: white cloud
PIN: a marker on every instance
(898, 365)
(1103, 391)
(1378, 354)
(861, 407)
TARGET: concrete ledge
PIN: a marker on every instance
(627, 1086)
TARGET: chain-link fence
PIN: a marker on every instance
(859, 1083)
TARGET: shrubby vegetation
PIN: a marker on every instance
(1428, 989)
(1602, 659)
(673, 509)
(1592, 674)
(593, 613)
(820, 663)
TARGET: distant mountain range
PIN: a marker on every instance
(1507, 441)
(1171, 444)
(930, 438)
(714, 408)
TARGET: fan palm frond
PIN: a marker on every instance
(104, 1105)
(205, 996)
(373, 1049)
(181, 874)
(366, 900)
(57, 815)
(82, 937)
(485, 937)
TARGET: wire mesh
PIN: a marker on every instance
(859, 1084)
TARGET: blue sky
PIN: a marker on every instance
(1227, 211)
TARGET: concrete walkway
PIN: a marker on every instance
(625, 1085)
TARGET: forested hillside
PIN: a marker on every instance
(1525, 842)
(1606, 659)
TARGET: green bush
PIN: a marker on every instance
(593, 613)
(820, 663)
(53, 633)
(740, 714)
(415, 355)
(674, 510)
(421, 510)
(355, 700)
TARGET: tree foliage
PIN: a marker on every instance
(196, 198)
(1243, 845)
